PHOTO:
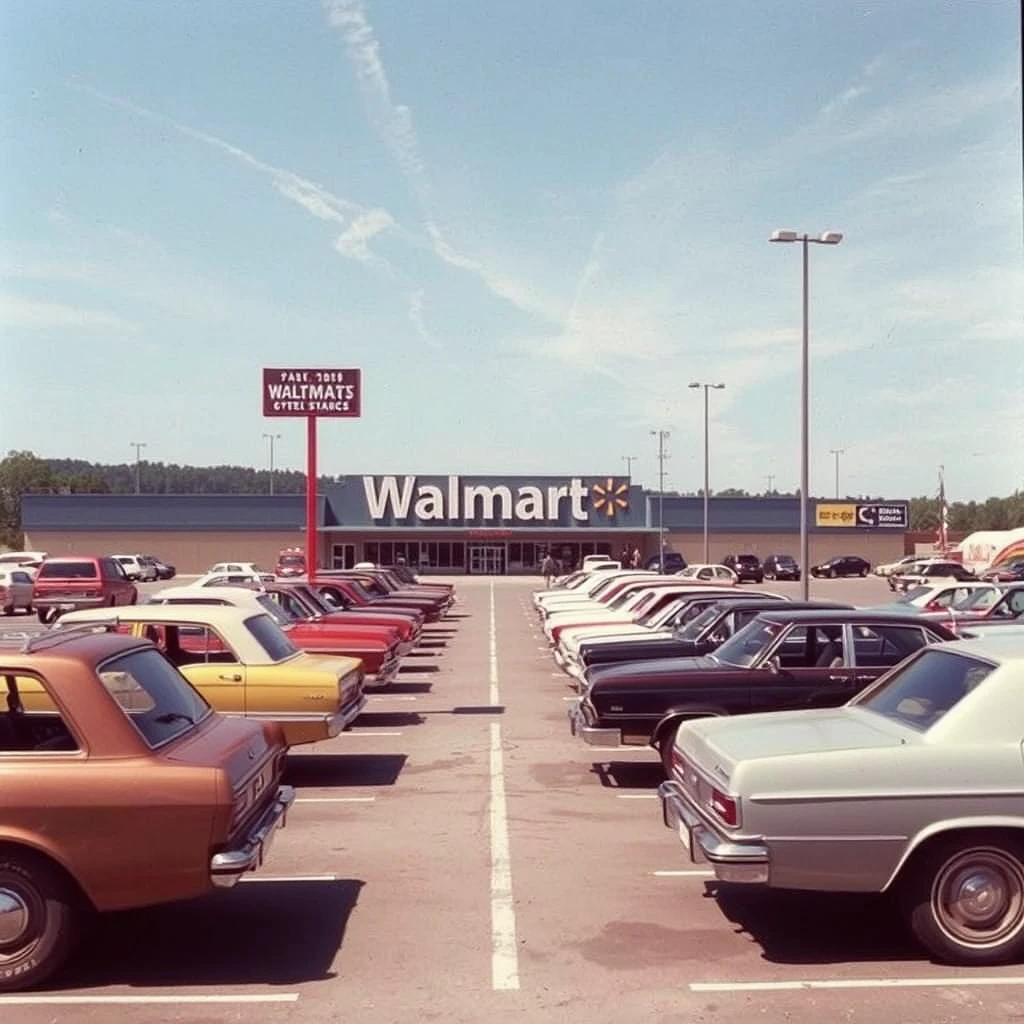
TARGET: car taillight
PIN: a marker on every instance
(678, 763)
(725, 807)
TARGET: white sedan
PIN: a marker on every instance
(934, 597)
(15, 589)
(721, 575)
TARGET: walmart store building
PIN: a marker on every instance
(454, 524)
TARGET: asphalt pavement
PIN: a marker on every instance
(459, 857)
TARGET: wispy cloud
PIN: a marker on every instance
(417, 321)
(17, 312)
(393, 123)
(353, 241)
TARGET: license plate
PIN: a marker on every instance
(67, 607)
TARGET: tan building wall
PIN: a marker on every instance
(875, 547)
(189, 552)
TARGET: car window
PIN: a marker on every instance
(68, 570)
(696, 626)
(921, 692)
(20, 576)
(750, 643)
(275, 643)
(275, 610)
(884, 645)
(157, 700)
(978, 600)
(812, 646)
(30, 720)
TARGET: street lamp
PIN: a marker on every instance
(629, 460)
(662, 436)
(707, 463)
(805, 240)
(138, 446)
(272, 438)
(837, 452)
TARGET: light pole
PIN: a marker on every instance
(272, 438)
(707, 465)
(662, 436)
(805, 240)
(837, 452)
(770, 477)
(138, 446)
(629, 460)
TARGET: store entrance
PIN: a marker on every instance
(486, 559)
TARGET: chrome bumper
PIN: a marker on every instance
(748, 863)
(385, 675)
(228, 866)
(592, 735)
(342, 719)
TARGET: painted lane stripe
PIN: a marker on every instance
(623, 750)
(683, 874)
(504, 948)
(390, 696)
(492, 656)
(335, 799)
(370, 732)
(847, 983)
(289, 878)
(274, 997)
(637, 796)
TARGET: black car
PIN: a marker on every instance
(164, 571)
(1008, 572)
(781, 660)
(708, 630)
(673, 562)
(746, 567)
(842, 565)
(781, 567)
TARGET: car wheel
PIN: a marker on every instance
(37, 921)
(863, 572)
(665, 742)
(45, 615)
(832, 574)
(8, 609)
(964, 900)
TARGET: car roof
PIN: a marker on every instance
(840, 614)
(746, 603)
(215, 614)
(224, 593)
(1005, 649)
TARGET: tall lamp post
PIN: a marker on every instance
(837, 452)
(662, 436)
(629, 460)
(707, 465)
(805, 240)
(272, 438)
(138, 446)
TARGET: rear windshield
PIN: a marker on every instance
(269, 636)
(154, 695)
(68, 570)
(291, 560)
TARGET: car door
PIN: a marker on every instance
(208, 662)
(22, 586)
(807, 667)
(876, 647)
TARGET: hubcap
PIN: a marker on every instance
(14, 917)
(979, 897)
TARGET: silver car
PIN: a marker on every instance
(15, 589)
(915, 786)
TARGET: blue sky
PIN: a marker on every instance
(532, 225)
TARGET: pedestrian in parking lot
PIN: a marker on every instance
(625, 557)
(547, 569)
(634, 561)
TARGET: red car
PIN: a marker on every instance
(302, 601)
(377, 646)
(71, 582)
(1004, 602)
(381, 583)
(343, 590)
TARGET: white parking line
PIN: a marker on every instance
(841, 983)
(335, 800)
(370, 732)
(289, 878)
(638, 796)
(622, 750)
(273, 997)
(493, 654)
(390, 696)
(504, 948)
(684, 874)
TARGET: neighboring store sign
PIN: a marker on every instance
(498, 502)
(891, 516)
(312, 392)
(835, 515)
(897, 516)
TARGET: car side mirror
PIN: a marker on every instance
(772, 664)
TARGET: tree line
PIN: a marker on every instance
(24, 472)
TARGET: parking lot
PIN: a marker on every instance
(457, 856)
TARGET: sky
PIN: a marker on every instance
(531, 225)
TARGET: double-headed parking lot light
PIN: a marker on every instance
(707, 463)
(825, 238)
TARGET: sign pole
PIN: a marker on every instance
(312, 547)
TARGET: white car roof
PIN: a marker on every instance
(238, 596)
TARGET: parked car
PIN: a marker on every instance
(781, 567)
(938, 595)
(344, 591)
(671, 561)
(15, 589)
(900, 565)
(842, 565)
(924, 572)
(925, 767)
(780, 660)
(998, 602)
(290, 562)
(136, 567)
(1008, 572)
(721, 575)
(164, 570)
(239, 568)
(378, 647)
(746, 567)
(88, 581)
(244, 664)
(27, 560)
(120, 787)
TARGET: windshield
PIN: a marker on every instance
(279, 614)
(908, 596)
(68, 570)
(315, 598)
(275, 643)
(693, 629)
(153, 694)
(298, 560)
(919, 692)
(978, 600)
(747, 646)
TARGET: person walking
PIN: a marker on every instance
(547, 569)
(625, 557)
(634, 560)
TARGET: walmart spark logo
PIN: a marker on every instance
(610, 496)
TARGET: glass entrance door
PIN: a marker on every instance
(486, 559)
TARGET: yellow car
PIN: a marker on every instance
(244, 664)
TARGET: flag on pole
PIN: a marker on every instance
(943, 534)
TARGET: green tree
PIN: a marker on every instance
(21, 473)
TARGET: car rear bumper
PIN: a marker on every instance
(343, 718)
(747, 863)
(228, 866)
(69, 603)
(592, 735)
